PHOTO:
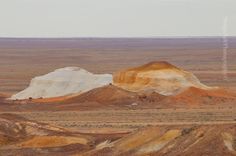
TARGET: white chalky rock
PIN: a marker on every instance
(64, 81)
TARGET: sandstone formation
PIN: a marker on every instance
(64, 81)
(161, 77)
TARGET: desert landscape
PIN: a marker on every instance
(117, 96)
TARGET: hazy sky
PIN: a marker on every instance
(116, 18)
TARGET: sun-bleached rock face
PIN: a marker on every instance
(160, 77)
(62, 82)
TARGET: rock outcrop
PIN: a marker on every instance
(64, 81)
(184, 140)
(160, 77)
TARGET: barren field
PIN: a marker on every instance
(128, 120)
(132, 125)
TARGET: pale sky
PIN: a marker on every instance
(116, 18)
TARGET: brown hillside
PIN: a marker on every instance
(112, 95)
(196, 96)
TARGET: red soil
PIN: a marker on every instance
(196, 96)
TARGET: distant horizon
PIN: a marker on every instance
(141, 37)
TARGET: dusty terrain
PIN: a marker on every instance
(110, 120)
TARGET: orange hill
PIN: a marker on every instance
(161, 77)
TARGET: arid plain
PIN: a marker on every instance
(120, 123)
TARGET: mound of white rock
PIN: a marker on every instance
(62, 82)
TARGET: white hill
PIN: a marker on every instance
(64, 81)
